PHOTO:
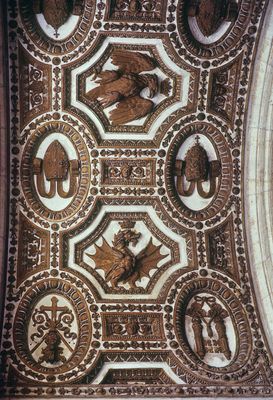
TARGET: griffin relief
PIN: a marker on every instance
(124, 86)
(119, 263)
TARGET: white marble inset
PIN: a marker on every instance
(63, 32)
(198, 35)
(127, 365)
(258, 176)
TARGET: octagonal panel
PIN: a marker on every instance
(127, 251)
(124, 88)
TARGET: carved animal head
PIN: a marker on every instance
(52, 338)
(150, 81)
(124, 238)
(126, 171)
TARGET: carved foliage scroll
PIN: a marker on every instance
(62, 330)
(132, 326)
(127, 267)
(35, 87)
(223, 89)
(136, 10)
(221, 249)
(33, 251)
(128, 172)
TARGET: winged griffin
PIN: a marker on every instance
(119, 262)
(124, 86)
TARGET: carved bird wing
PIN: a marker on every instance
(130, 109)
(96, 93)
(148, 258)
(134, 62)
(105, 256)
(102, 90)
(107, 76)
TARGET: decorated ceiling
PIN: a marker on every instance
(127, 272)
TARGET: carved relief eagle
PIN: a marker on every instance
(120, 264)
(124, 85)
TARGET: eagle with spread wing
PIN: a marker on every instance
(120, 264)
(124, 85)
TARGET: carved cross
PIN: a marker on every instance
(54, 309)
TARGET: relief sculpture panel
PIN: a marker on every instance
(136, 10)
(127, 270)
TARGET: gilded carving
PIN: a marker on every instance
(211, 13)
(52, 324)
(221, 248)
(57, 12)
(136, 10)
(127, 267)
(124, 86)
(146, 376)
(199, 171)
(119, 263)
(52, 329)
(211, 326)
(35, 87)
(197, 168)
(150, 250)
(46, 176)
(33, 250)
(164, 80)
(56, 168)
(127, 172)
(136, 326)
(203, 319)
(238, 15)
(223, 87)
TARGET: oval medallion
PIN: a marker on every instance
(52, 329)
(209, 28)
(57, 27)
(211, 326)
(55, 171)
(199, 171)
